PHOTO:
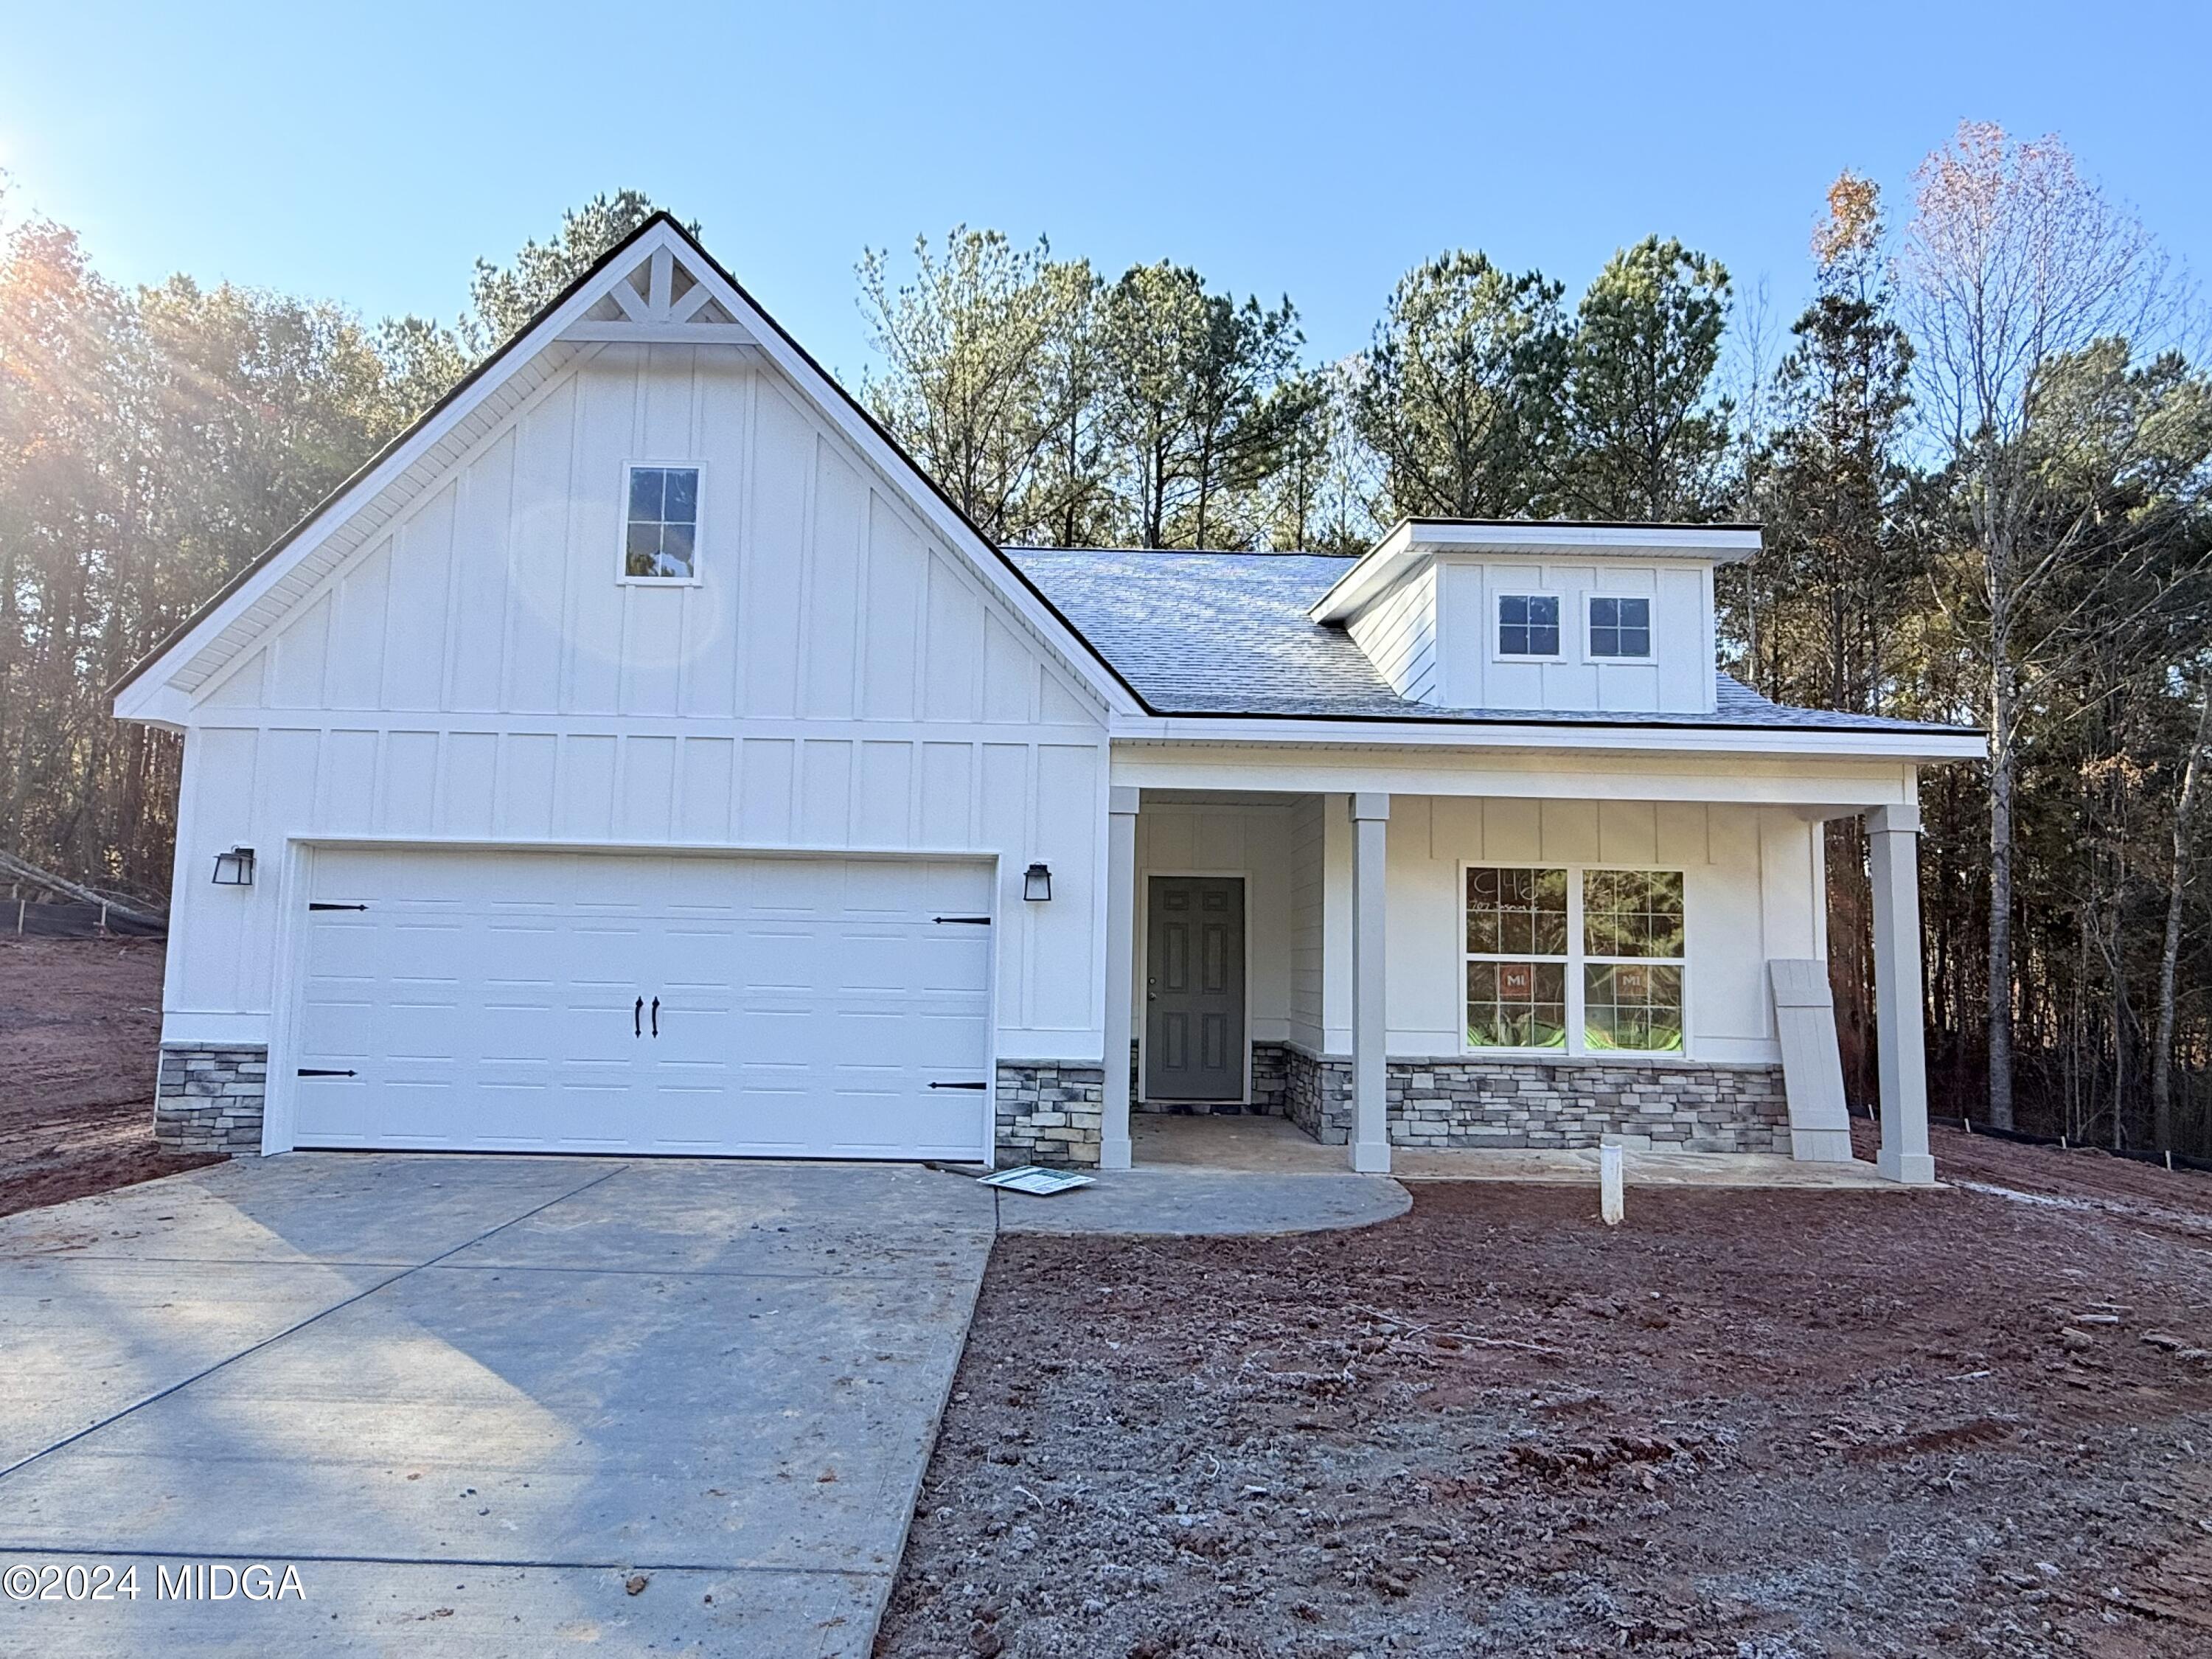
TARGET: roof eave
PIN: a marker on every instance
(1116, 690)
(1398, 552)
(1931, 744)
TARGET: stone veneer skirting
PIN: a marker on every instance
(208, 1100)
(1050, 1111)
(1518, 1104)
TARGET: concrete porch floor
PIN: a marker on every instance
(1274, 1145)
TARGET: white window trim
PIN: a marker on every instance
(1589, 600)
(1577, 1047)
(622, 578)
(1497, 627)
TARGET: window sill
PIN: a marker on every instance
(1660, 1057)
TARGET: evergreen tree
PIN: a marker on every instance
(1813, 614)
(1189, 379)
(1644, 438)
(424, 358)
(1460, 395)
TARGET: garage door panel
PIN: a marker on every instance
(876, 1127)
(778, 957)
(343, 946)
(792, 887)
(415, 1035)
(521, 1034)
(961, 888)
(875, 1039)
(490, 1001)
(948, 965)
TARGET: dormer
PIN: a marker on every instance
(1561, 617)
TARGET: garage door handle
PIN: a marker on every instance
(637, 1018)
(959, 1085)
(317, 1071)
(656, 1015)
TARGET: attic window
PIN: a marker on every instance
(660, 534)
(1528, 625)
(1620, 627)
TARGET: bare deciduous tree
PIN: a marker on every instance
(965, 347)
(2014, 263)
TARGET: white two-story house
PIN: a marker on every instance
(642, 755)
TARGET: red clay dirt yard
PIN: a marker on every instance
(80, 1035)
(1764, 1424)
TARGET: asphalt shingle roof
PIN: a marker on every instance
(1227, 633)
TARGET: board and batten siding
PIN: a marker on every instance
(1753, 886)
(1678, 679)
(836, 679)
(1209, 838)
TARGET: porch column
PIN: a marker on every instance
(1893, 839)
(1121, 972)
(1371, 1116)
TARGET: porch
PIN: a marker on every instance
(1258, 1144)
(1305, 959)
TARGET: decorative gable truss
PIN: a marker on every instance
(657, 287)
(660, 301)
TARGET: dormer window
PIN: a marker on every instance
(1528, 624)
(1620, 627)
(661, 532)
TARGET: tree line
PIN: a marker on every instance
(1059, 407)
(152, 442)
(1980, 456)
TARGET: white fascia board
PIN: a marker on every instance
(1379, 567)
(1074, 653)
(152, 701)
(128, 703)
(762, 340)
(1618, 739)
(1722, 544)
(1394, 558)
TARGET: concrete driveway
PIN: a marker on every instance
(471, 1400)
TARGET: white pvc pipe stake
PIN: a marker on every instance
(1611, 1201)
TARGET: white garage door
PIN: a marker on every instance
(600, 1003)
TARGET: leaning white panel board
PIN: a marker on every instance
(699, 1005)
(1812, 1064)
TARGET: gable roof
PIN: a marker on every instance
(1229, 634)
(601, 304)
(1204, 635)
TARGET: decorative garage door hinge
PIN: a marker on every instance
(317, 904)
(318, 1071)
(971, 922)
(959, 1085)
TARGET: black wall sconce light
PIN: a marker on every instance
(234, 868)
(1036, 884)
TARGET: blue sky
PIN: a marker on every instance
(368, 154)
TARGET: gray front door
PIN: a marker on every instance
(1195, 989)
